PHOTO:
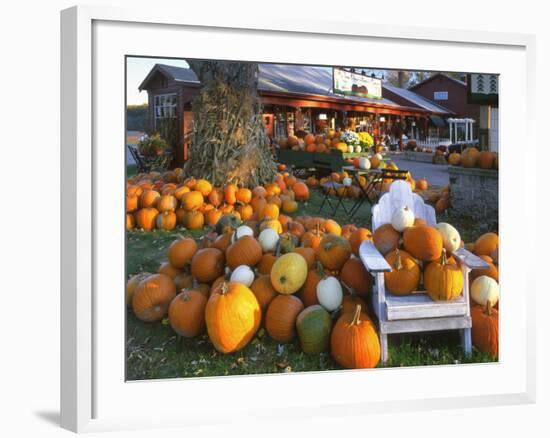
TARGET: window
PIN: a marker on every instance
(165, 106)
(441, 95)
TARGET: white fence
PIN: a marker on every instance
(431, 142)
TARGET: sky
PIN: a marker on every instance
(137, 70)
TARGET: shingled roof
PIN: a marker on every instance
(418, 100)
(301, 80)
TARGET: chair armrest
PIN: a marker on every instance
(372, 259)
(471, 260)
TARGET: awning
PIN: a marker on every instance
(438, 121)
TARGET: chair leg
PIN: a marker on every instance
(384, 347)
(466, 335)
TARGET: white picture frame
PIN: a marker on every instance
(93, 396)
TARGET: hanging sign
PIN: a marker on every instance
(354, 84)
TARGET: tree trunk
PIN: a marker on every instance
(228, 139)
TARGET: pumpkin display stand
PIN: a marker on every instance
(416, 312)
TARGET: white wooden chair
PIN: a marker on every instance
(416, 312)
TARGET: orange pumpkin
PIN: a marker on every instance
(405, 274)
(491, 271)
(259, 191)
(296, 228)
(222, 242)
(468, 157)
(245, 251)
(152, 297)
(386, 239)
(308, 292)
(244, 195)
(422, 184)
(333, 227)
(186, 313)
(485, 328)
(233, 316)
(146, 218)
(167, 203)
(354, 275)
(183, 281)
(312, 239)
(230, 194)
(193, 220)
(266, 263)
(207, 264)
(212, 216)
(204, 187)
(149, 198)
(354, 342)
(333, 251)
(131, 203)
(263, 289)
(485, 160)
(192, 200)
(216, 197)
(289, 206)
(181, 251)
(423, 242)
(348, 230)
(166, 221)
(301, 192)
(486, 244)
(130, 221)
(280, 318)
(357, 237)
(270, 211)
(308, 254)
(443, 281)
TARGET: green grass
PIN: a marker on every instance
(155, 352)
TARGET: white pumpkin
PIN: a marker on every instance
(329, 293)
(242, 274)
(450, 235)
(379, 156)
(485, 289)
(351, 149)
(364, 163)
(402, 218)
(347, 181)
(243, 230)
(358, 149)
(268, 239)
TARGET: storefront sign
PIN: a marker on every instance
(353, 84)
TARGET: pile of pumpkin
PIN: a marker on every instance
(164, 201)
(321, 144)
(421, 254)
(305, 281)
(472, 157)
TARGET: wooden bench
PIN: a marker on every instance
(416, 312)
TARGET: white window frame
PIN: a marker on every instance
(161, 109)
(438, 95)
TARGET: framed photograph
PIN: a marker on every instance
(252, 210)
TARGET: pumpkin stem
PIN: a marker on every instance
(356, 320)
(185, 295)
(488, 308)
(398, 262)
(444, 257)
(224, 288)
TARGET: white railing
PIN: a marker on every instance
(431, 142)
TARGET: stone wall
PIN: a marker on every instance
(474, 193)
